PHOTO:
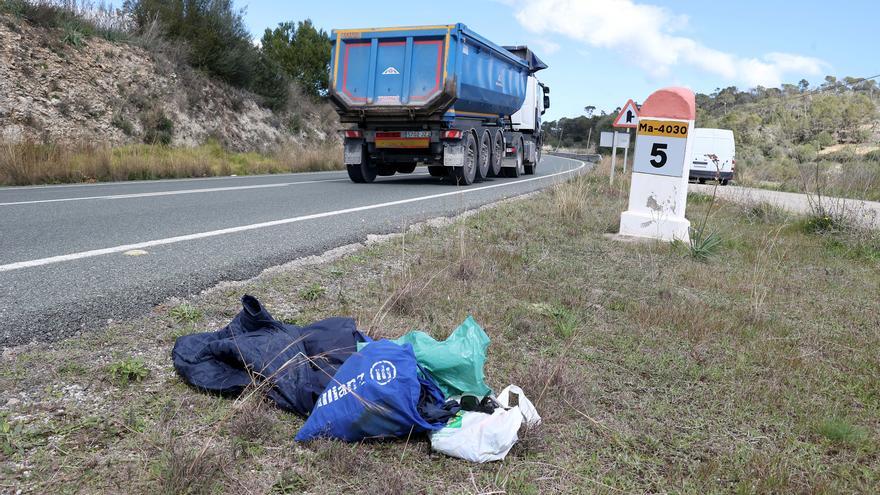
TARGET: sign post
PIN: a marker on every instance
(628, 118)
(614, 140)
(658, 194)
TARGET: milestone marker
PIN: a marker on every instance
(658, 193)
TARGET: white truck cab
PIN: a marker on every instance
(714, 155)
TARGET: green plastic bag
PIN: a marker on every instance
(457, 362)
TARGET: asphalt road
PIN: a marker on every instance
(65, 251)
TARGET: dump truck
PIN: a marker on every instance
(439, 96)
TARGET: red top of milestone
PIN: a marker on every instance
(670, 103)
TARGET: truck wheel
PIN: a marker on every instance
(467, 172)
(438, 171)
(364, 172)
(484, 156)
(497, 155)
(406, 168)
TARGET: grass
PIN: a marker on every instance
(754, 372)
(31, 163)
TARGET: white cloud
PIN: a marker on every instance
(650, 37)
(547, 47)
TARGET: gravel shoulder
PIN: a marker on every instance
(865, 213)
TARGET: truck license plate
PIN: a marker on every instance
(404, 139)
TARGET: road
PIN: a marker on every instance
(69, 254)
(865, 213)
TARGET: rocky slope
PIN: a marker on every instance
(54, 89)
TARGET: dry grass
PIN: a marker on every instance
(653, 372)
(30, 163)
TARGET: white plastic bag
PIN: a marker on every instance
(480, 437)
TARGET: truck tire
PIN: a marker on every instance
(438, 171)
(406, 168)
(465, 175)
(484, 156)
(364, 172)
(497, 154)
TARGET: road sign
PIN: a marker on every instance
(660, 147)
(606, 140)
(628, 116)
(658, 191)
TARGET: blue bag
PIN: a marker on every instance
(377, 393)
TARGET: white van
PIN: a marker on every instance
(714, 155)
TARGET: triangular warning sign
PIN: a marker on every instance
(390, 71)
(628, 116)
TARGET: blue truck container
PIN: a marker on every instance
(441, 96)
(434, 72)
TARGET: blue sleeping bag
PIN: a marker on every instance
(255, 348)
(378, 392)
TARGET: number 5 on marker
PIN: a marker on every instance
(658, 151)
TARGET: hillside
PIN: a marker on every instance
(76, 92)
(120, 93)
(786, 137)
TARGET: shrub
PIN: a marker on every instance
(218, 40)
(158, 128)
(303, 52)
(122, 124)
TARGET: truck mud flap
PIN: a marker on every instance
(453, 154)
(353, 151)
(530, 154)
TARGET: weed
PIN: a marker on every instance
(840, 431)
(183, 469)
(290, 483)
(128, 370)
(703, 247)
(185, 313)
(11, 436)
(73, 36)
(313, 292)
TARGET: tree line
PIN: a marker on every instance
(795, 120)
(217, 41)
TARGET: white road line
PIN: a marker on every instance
(213, 233)
(168, 193)
(149, 181)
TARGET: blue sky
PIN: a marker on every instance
(602, 52)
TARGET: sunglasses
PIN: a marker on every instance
(473, 403)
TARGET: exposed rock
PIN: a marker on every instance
(105, 92)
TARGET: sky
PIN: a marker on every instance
(603, 52)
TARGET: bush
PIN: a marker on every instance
(158, 128)
(219, 42)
